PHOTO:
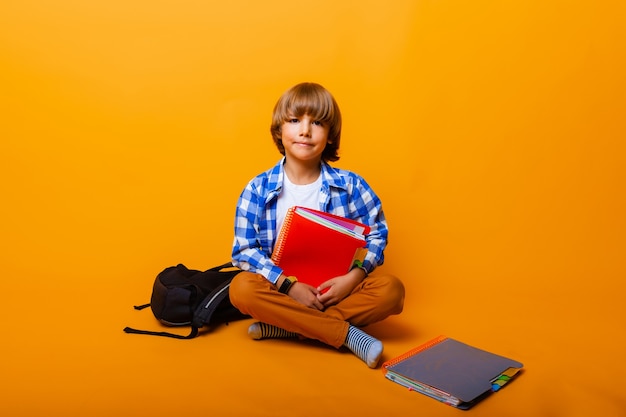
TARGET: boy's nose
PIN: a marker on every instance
(305, 129)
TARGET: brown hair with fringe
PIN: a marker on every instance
(314, 100)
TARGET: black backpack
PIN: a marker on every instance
(186, 297)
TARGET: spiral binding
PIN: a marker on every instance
(282, 236)
(414, 351)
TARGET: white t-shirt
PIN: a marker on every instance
(307, 195)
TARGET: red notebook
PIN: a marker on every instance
(315, 246)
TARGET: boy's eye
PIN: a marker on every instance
(293, 120)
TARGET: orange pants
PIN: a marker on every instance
(374, 299)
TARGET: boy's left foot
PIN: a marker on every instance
(366, 347)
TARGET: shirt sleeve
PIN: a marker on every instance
(251, 251)
(368, 207)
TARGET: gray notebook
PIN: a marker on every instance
(451, 372)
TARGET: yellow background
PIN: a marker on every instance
(492, 130)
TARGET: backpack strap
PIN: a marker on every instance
(223, 266)
(207, 307)
(194, 333)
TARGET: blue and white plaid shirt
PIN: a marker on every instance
(343, 193)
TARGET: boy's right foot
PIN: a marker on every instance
(258, 331)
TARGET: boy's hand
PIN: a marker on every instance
(306, 294)
(336, 289)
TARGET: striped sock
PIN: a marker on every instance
(367, 348)
(259, 331)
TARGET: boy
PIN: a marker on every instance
(306, 128)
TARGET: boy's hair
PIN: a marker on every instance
(317, 102)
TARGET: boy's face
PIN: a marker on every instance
(304, 138)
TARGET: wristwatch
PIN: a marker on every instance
(287, 283)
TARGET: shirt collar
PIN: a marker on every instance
(330, 177)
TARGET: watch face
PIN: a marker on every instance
(285, 285)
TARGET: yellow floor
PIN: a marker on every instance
(66, 355)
